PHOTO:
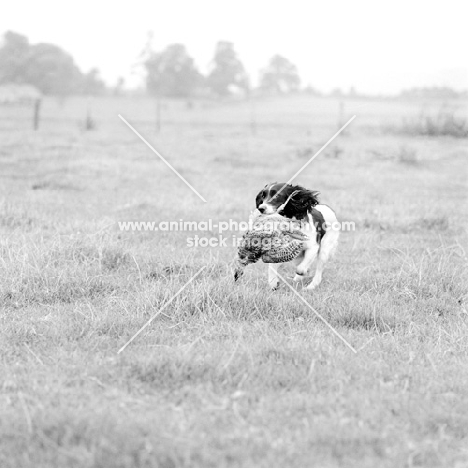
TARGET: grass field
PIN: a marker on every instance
(229, 374)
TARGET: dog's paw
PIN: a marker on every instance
(297, 278)
(301, 270)
(314, 283)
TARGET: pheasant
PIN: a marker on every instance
(273, 238)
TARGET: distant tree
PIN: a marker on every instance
(138, 67)
(92, 83)
(119, 86)
(352, 92)
(309, 89)
(228, 71)
(45, 66)
(53, 70)
(435, 92)
(280, 76)
(336, 92)
(172, 72)
(14, 55)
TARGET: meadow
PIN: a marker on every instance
(229, 374)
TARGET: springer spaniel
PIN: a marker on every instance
(319, 223)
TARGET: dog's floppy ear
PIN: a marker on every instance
(259, 197)
(301, 202)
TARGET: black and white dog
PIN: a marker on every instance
(319, 223)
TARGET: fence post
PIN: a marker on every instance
(37, 113)
(89, 122)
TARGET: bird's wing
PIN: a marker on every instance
(284, 252)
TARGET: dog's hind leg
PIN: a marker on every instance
(327, 249)
(310, 253)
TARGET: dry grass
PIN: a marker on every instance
(229, 374)
(445, 120)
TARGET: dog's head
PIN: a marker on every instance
(272, 196)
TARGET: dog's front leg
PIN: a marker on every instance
(273, 280)
(304, 265)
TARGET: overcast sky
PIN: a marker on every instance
(375, 46)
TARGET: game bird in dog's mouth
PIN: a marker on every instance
(289, 225)
(273, 238)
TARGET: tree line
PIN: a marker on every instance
(170, 72)
(46, 66)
